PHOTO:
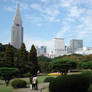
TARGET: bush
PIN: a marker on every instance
(27, 75)
(49, 79)
(70, 83)
(17, 83)
(88, 74)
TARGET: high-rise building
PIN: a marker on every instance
(41, 50)
(17, 29)
(59, 47)
(75, 45)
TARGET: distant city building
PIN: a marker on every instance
(84, 51)
(75, 45)
(41, 50)
(59, 47)
(17, 30)
(51, 54)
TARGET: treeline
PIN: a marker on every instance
(27, 62)
(20, 58)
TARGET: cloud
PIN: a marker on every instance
(38, 42)
(65, 3)
(45, 1)
(33, 18)
(10, 9)
(76, 12)
(39, 25)
(25, 6)
(36, 7)
(63, 31)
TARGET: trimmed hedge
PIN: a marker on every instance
(49, 79)
(70, 83)
(17, 83)
(88, 74)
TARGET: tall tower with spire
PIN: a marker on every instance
(17, 29)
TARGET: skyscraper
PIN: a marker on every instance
(76, 44)
(59, 47)
(41, 50)
(17, 29)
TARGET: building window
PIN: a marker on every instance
(17, 24)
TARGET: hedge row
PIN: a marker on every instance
(71, 83)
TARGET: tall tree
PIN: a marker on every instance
(9, 56)
(33, 60)
(22, 59)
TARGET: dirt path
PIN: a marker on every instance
(40, 87)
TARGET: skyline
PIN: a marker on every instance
(44, 20)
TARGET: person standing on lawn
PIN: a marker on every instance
(31, 85)
(35, 82)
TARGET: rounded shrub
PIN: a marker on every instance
(70, 83)
(49, 79)
(17, 83)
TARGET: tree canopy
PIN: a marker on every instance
(87, 65)
(33, 61)
(8, 73)
(22, 59)
(62, 65)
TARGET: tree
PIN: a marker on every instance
(44, 59)
(62, 65)
(22, 59)
(87, 65)
(44, 67)
(8, 74)
(9, 56)
(33, 62)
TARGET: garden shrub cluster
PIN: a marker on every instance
(70, 83)
(49, 79)
(88, 74)
(17, 83)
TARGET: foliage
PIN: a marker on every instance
(70, 83)
(44, 67)
(49, 79)
(27, 75)
(62, 65)
(22, 59)
(87, 65)
(17, 83)
(88, 74)
(44, 59)
(9, 56)
(8, 73)
(33, 62)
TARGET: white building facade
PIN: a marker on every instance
(42, 50)
(59, 47)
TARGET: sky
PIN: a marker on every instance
(44, 20)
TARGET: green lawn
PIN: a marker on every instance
(40, 78)
(3, 88)
(6, 89)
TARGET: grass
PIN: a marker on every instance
(6, 90)
(3, 87)
(45, 90)
(40, 78)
